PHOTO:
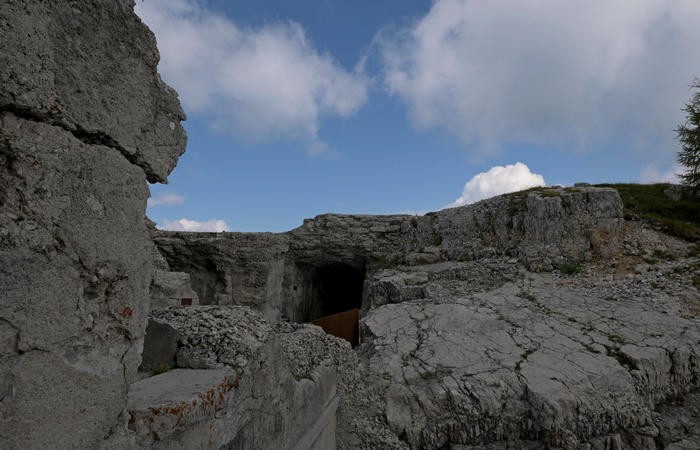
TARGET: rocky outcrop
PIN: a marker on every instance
(469, 336)
(241, 383)
(571, 361)
(84, 121)
(90, 68)
(273, 273)
(486, 353)
(228, 268)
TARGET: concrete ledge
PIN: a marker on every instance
(165, 404)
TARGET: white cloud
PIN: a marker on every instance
(262, 82)
(653, 174)
(193, 225)
(496, 181)
(548, 71)
(167, 199)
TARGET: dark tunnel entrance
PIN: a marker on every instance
(335, 288)
(334, 298)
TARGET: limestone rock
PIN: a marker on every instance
(563, 361)
(73, 298)
(229, 268)
(90, 68)
(160, 347)
(255, 385)
(678, 421)
(84, 122)
(215, 336)
(274, 273)
(169, 288)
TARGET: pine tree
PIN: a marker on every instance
(689, 137)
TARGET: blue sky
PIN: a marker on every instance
(379, 107)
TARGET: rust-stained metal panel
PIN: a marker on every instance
(343, 325)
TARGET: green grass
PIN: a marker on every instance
(622, 358)
(543, 191)
(616, 338)
(571, 268)
(680, 218)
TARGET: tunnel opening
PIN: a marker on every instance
(334, 299)
(334, 289)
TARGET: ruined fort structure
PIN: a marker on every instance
(530, 320)
(287, 275)
(471, 333)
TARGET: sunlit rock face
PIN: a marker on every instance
(85, 121)
(280, 273)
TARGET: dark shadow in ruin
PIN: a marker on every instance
(334, 298)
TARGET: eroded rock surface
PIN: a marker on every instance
(494, 351)
(273, 273)
(567, 361)
(90, 68)
(84, 121)
(242, 383)
(473, 334)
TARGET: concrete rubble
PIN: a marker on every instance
(241, 383)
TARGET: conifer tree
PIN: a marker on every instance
(689, 137)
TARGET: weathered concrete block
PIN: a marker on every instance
(272, 387)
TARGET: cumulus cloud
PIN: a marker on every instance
(260, 82)
(575, 73)
(167, 199)
(496, 181)
(193, 225)
(653, 174)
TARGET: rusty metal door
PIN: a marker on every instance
(343, 325)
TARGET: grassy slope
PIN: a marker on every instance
(647, 201)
